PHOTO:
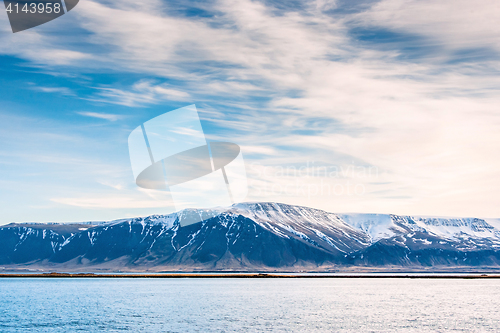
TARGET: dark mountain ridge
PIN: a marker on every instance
(253, 237)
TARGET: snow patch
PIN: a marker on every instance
(377, 226)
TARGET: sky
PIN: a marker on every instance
(383, 106)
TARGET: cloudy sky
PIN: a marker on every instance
(383, 106)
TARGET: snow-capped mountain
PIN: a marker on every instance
(253, 236)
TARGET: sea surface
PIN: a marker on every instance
(249, 305)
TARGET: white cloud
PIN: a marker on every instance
(110, 202)
(452, 23)
(142, 93)
(433, 127)
(58, 90)
(106, 116)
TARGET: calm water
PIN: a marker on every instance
(249, 305)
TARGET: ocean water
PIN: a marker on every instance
(249, 305)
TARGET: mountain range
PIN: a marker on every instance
(254, 237)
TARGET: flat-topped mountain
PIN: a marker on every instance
(253, 237)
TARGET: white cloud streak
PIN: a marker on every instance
(57, 90)
(105, 116)
(141, 94)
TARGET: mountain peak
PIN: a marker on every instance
(249, 236)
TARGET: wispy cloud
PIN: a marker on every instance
(106, 116)
(454, 24)
(395, 110)
(142, 93)
(409, 87)
(56, 90)
(110, 202)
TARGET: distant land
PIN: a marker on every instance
(255, 237)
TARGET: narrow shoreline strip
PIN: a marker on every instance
(249, 275)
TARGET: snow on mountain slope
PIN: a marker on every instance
(256, 235)
(495, 223)
(380, 226)
(377, 226)
(312, 225)
(454, 228)
(343, 232)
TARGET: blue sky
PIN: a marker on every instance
(386, 106)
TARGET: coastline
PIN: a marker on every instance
(251, 275)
